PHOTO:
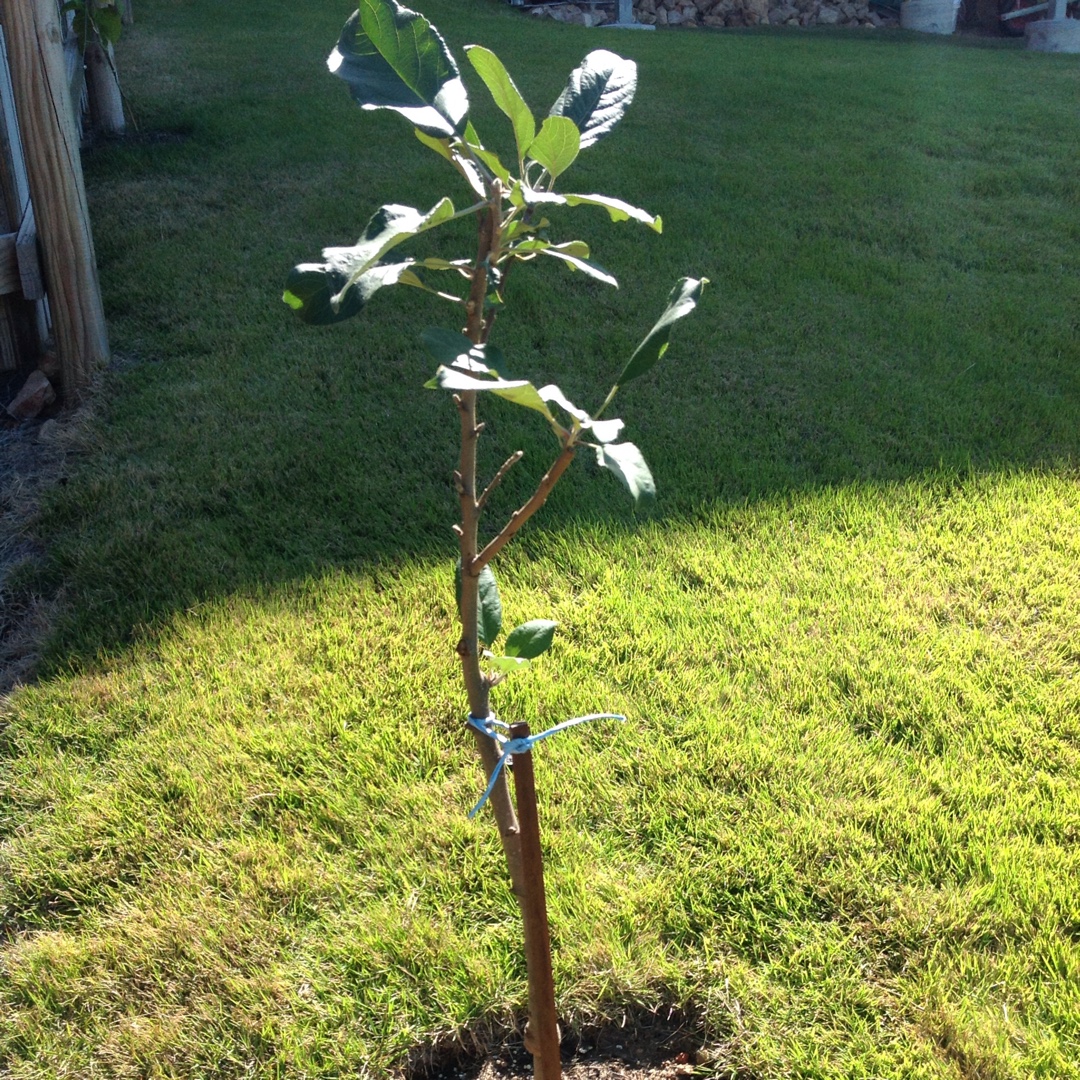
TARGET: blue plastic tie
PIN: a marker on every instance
(489, 726)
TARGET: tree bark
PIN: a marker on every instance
(468, 648)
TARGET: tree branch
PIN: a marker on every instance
(519, 517)
(497, 479)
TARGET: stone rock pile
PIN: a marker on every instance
(721, 13)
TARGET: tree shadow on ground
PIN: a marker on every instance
(846, 339)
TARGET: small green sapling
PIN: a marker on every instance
(393, 58)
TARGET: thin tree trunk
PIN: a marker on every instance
(468, 647)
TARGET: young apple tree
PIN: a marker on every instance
(393, 58)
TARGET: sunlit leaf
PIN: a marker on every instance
(506, 665)
(553, 394)
(626, 462)
(681, 302)
(440, 146)
(505, 94)
(455, 350)
(393, 58)
(597, 94)
(311, 289)
(530, 639)
(519, 391)
(523, 195)
(491, 160)
(389, 226)
(604, 431)
(557, 145)
(586, 266)
(616, 208)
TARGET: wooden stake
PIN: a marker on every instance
(542, 1034)
(51, 148)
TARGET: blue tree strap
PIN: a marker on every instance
(490, 726)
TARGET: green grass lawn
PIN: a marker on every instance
(842, 822)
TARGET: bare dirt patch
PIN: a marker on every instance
(670, 1044)
(33, 456)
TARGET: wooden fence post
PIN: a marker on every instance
(51, 149)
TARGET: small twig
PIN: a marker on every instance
(506, 466)
(519, 517)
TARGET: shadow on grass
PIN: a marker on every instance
(895, 294)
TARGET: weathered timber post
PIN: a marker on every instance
(51, 149)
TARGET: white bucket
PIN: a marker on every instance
(1054, 35)
(929, 16)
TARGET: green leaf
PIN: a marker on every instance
(578, 249)
(616, 208)
(393, 58)
(489, 613)
(389, 226)
(471, 137)
(575, 253)
(491, 160)
(626, 462)
(446, 346)
(440, 146)
(524, 195)
(557, 145)
(519, 391)
(586, 266)
(312, 289)
(108, 24)
(455, 350)
(681, 302)
(597, 94)
(505, 94)
(489, 603)
(433, 263)
(506, 665)
(552, 393)
(530, 639)
(605, 431)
